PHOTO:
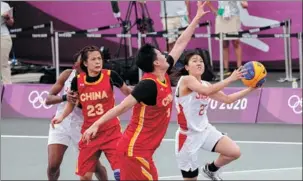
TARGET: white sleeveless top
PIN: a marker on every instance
(192, 110)
(76, 116)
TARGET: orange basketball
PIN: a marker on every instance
(256, 74)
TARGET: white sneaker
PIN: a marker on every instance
(209, 174)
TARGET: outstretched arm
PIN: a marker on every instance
(193, 84)
(124, 106)
(185, 37)
(222, 97)
(145, 90)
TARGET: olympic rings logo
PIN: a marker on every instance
(38, 100)
(295, 103)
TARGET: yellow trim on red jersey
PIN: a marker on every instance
(94, 83)
(158, 80)
(77, 166)
(137, 132)
(163, 84)
(146, 174)
(148, 79)
(143, 161)
(108, 72)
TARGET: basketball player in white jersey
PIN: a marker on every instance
(195, 132)
(68, 132)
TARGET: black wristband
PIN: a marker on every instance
(64, 98)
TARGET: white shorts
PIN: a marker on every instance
(188, 144)
(65, 135)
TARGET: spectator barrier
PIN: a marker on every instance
(265, 105)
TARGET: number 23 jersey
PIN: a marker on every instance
(96, 99)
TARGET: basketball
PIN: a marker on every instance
(256, 74)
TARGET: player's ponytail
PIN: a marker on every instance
(76, 57)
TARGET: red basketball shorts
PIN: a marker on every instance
(89, 153)
(137, 168)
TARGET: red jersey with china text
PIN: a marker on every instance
(96, 99)
(148, 124)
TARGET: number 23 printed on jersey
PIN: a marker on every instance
(95, 110)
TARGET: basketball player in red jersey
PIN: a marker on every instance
(152, 101)
(68, 133)
(96, 96)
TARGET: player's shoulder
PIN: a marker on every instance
(64, 75)
(186, 78)
(146, 84)
(147, 81)
(107, 71)
(206, 82)
(67, 72)
(112, 73)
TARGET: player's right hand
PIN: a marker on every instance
(238, 74)
(56, 120)
(90, 133)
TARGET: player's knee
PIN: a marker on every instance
(190, 174)
(236, 152)
(53, 168)
(87, 176)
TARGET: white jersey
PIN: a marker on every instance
(76, 116)
(192, 110)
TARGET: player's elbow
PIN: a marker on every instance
(125, 105)
(208, 92)
(48, 101)
(122, 109)
(227, 100)
(211, 90)
(127, 91)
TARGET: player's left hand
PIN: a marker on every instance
(200, 11)
(72, 97)
(90, 133)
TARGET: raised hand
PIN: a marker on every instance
(200, 9)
